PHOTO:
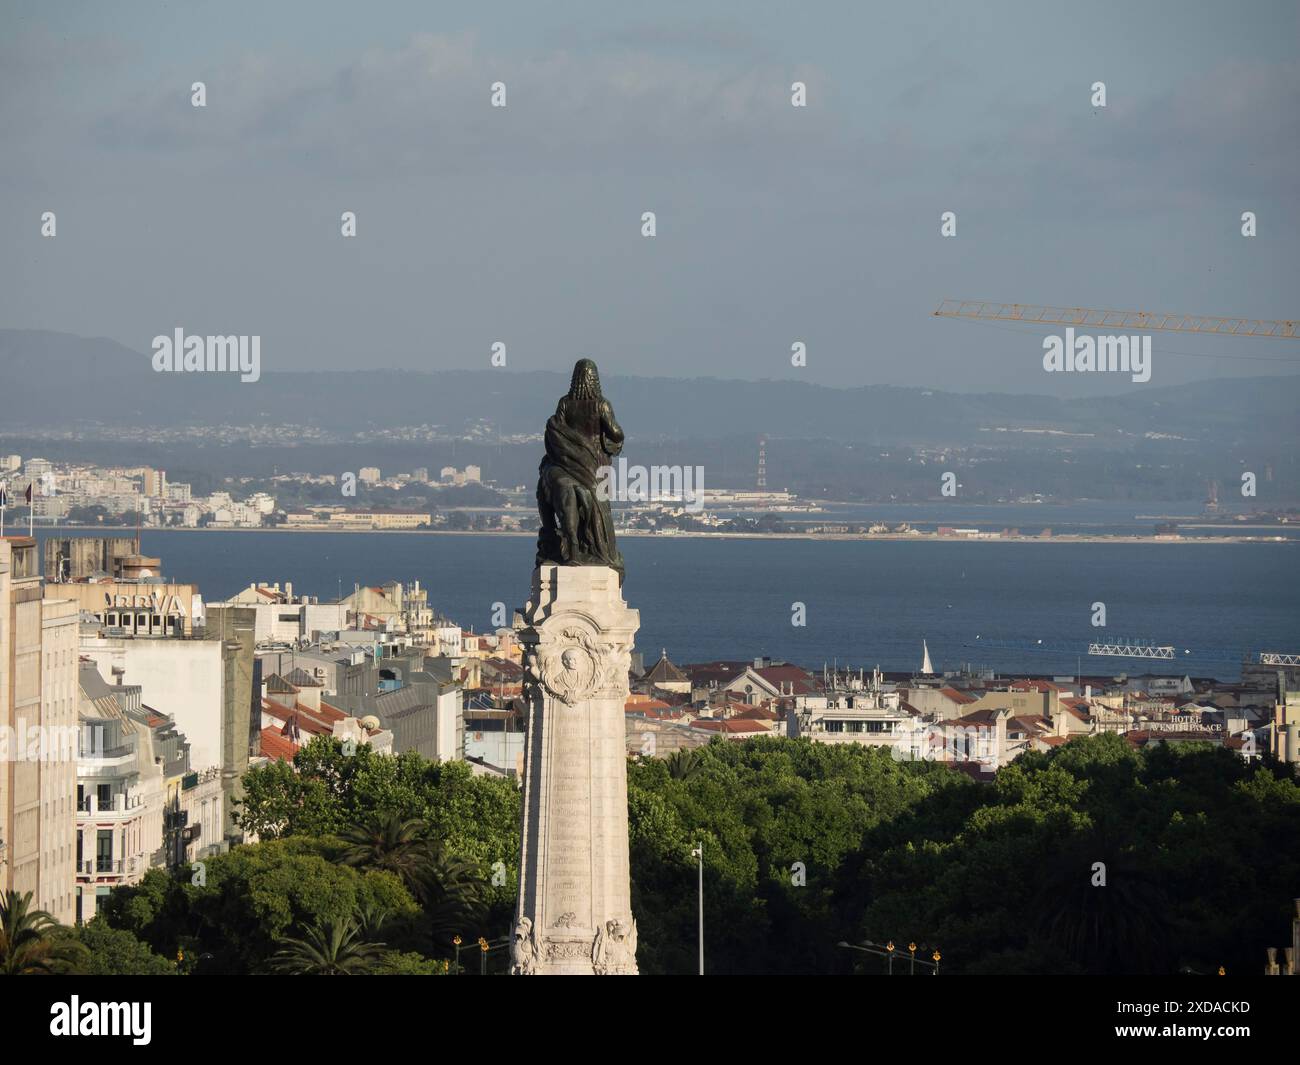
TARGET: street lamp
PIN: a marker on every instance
(889, 952)
(456, 941)
(698, 853)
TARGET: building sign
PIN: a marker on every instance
(166, 605)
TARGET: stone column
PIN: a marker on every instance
(574, 914)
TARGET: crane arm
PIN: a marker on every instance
(1116, 320)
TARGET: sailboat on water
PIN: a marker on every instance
(927, 670)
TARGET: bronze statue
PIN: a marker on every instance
(572, 498)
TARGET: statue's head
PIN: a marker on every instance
(586, 380)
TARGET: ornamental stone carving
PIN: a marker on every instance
(524, 949)
(614, 951)
(573, 665)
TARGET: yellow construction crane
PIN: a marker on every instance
(1119, 320)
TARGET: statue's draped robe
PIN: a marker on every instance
(577, 525)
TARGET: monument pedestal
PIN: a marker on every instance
(574, 914)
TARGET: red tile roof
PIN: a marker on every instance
(275, 746)
(755, 713)
(730, 725)
(640, 706)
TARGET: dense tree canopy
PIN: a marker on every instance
(1093, 858)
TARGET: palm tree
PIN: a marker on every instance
(28, 945)
(371, 918)
(385, 840)
(331, 948)
(450, 890)
(453, 893)
(1112, 929)
(684, 764)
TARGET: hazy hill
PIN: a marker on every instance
(57, 380)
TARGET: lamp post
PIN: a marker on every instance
(698, 853)
(456, 941)
(889, 952)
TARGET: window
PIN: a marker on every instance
(104, 850)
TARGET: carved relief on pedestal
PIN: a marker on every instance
(562, 949)
(573, 664)
(614, 950)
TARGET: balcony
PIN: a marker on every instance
(89, 813)
(110, 867)
(98, 759)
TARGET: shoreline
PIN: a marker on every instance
(1064, 538)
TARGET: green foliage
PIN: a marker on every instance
(804, 846)
(1200, 854)
(251, 897)
(30, 943)
(474, 818)
(452, 892)
(117, 952)
(684, 764)
(399, 963)
(328, 948)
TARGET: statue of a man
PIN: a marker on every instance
(581, 437)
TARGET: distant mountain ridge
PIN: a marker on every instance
(53, 379)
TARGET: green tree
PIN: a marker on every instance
(29, 943)
(408, 963)
(451, 890)
(331, 948)
(684, 764)
(117, 952)
(386, 840)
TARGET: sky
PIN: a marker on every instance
(774, 224)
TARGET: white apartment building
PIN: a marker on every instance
(284, 618)
(38, 723)
(865, 715)
(183, 679)
(121, 793)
